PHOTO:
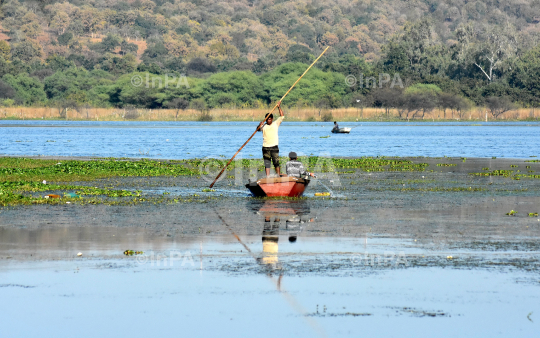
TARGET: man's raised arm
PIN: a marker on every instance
(279, 107)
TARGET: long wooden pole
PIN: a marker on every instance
(249, 139)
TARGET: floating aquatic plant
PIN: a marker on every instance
(132, 252)
(511, 213)
(505, 173)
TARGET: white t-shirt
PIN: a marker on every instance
(270, 133)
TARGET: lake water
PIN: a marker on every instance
(207, 286)
(182, 140)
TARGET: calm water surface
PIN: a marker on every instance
(211, 287)
(180, 140)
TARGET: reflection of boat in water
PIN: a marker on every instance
(341, 130)
(279, 208)
(273, 212)
(286, 186)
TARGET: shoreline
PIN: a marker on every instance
(411, 122)
(91, 158)
(382, 120)
(231, 114)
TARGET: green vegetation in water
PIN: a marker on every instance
(22, 176)
(533, 214)
(507, 173)
(532, 161)
(446, 164)
(370, 164)
(511, 213)
(431, 189)
(486, 168)
(13, 169)
(513, 166)
(324, 136)
(133, 252)
(316, 164)
(519, 176)
(208, 190)
(17, 192)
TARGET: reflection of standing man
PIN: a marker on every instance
(270, 238)
(270, 147)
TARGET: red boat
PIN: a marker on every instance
(286, 186)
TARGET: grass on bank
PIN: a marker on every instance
(307, 114)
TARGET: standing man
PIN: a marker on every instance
(270, 148)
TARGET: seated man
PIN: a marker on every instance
(296, 168)
(336, 127)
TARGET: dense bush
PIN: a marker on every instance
(327, 117)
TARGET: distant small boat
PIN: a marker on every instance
(341, 131)
(286, 186)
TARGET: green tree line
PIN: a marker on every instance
(58, 82)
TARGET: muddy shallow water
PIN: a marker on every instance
(391, 254)
(212, 285)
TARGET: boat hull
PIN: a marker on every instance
(342, 131)
(287, 186)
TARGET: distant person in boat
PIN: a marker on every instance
(295, 168)
(336, 127)
(270, 149)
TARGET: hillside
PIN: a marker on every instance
(250, 29)
(458, 45)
